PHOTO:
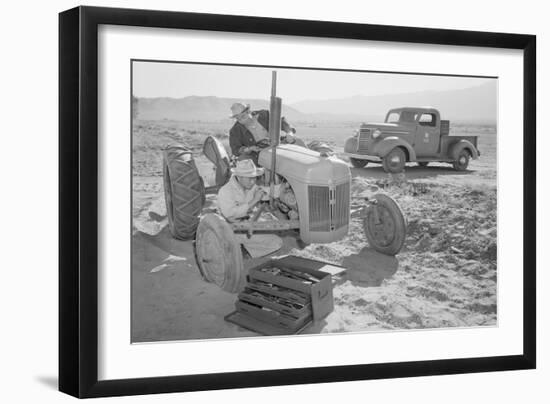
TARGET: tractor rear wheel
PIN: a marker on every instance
(462, 160)
(183, 191)
(384, 225)
(218, 253)
(394, 161)
(358, 163)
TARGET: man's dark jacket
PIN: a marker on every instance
(240, 137)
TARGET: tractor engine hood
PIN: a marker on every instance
(306, 165)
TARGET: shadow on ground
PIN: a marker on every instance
(369, 268)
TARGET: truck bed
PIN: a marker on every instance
(448, 141)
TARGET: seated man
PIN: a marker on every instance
(251, 129)
(238, 198)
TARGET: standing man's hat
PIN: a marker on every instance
(238, 108)
(247, 168)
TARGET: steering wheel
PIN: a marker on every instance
(267, 142)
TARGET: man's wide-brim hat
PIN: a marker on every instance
(247, 168)
(239, 108)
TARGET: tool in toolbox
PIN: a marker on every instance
(284, 296)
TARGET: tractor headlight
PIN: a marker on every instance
(376, 133)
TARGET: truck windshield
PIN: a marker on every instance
(401, 116)
(393, 117)
(407, 116)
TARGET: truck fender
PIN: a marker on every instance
(350, 146)
(459, 146)
(387, 144)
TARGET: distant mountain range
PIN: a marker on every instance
(476, 104)
(469, 104)
(208, 108)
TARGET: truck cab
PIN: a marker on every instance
(425, 125)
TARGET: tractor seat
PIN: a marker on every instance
(214, 150)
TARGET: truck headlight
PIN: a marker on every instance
(376, 133)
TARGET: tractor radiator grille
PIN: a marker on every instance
(319, 208)
(328, 207)
(363, 140)
(341, 207)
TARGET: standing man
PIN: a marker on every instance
(250, 133)
(238, 198)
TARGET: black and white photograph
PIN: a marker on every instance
(285, 200)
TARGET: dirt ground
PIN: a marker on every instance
(445, 276)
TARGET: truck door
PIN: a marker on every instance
(427, 135)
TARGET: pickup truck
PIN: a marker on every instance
(410, 134)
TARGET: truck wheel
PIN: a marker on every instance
(423, 163)
(358, 163)
(183, 191)
(384, 225)
(462, 160)
(219, 254)
(394, 161)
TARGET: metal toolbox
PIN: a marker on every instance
(283, 296)
(273, 302)
(273, 317)
(275, 290)
(319, 291)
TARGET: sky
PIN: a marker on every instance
(178, 80)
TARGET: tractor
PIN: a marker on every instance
(315, 205)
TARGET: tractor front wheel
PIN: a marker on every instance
(384, 225)
(218, 253)
(394, 161)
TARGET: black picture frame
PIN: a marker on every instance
(78, 200)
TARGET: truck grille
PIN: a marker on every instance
(328, 207)
(363, 140)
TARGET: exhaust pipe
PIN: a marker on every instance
(275, 107)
